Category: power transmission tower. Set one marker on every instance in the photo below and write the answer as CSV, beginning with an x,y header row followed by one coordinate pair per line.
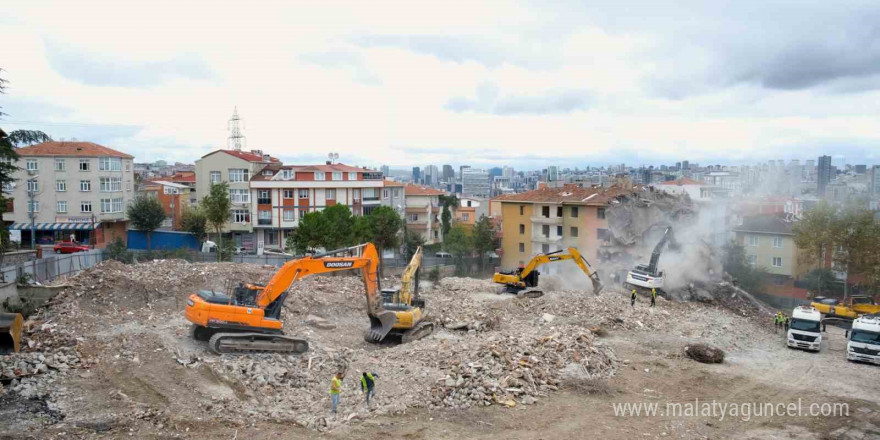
x,y
236,140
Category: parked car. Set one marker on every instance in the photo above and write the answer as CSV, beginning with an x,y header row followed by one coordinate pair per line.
x,y
443,255
66,247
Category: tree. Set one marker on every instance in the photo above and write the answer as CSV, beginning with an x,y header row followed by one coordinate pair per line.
x,y
384,224
194,221
822,282
8,157
483,238
146,214
411,242
216,206
814,233
449,202
750,278
308,235
458,243
23,138
337,227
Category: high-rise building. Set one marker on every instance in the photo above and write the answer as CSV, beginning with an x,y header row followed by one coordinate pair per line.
x,y
475,182
417,175
431,175
684,165
461,169
507,172
448,173
494,171
552,173
824,174
875,180
861,169
385,170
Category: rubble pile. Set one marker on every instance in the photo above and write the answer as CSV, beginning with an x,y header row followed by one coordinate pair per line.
x,y
704,353
34,374
632,217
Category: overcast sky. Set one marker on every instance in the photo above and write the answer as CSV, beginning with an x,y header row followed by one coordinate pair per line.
x,y
525,84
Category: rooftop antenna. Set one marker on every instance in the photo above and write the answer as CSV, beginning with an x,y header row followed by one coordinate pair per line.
x,y
236,140
333,157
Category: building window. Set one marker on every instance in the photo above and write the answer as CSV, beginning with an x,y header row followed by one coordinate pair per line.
x,y
574,211
240,195
465,216
238,175
777,261
602,234
271,238
303,194
753,240
264,217
330,194
545,211
288,193
33,186
85,206
413,217
264,197
545,248
60,165
522,210
267,172
33,206
319,175
522,247
128,185
289,215
84,165
241,216
61,206
169,190
352,176
371,194
303,210
752,260
111,205
574,231
559,211
545,230
287,174
215,176
356,195
600,213
337,175
777,242
60,185
111,184
110,164
385,194
32,165
127,166
85,185
559,231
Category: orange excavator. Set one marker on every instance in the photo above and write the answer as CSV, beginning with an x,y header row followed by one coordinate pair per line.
x,y
249,321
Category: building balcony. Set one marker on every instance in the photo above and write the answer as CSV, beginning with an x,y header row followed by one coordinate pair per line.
x,y
547,240
547,220
264,201
264,222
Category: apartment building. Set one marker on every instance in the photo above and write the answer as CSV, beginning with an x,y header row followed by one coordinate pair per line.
x,y
423,212
236,168
282,194
174,197
78,189
768,241
470,209
550,219
393,196
475,182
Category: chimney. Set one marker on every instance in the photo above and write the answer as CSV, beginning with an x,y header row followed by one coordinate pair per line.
x,y
328,162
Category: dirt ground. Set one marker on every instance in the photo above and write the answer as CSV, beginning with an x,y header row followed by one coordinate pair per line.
x,y
152,381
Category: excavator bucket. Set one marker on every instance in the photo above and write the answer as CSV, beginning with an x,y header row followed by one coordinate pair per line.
x,y
10,332
381,324
597,285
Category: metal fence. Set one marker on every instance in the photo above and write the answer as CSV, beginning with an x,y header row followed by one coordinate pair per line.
x,y
53,266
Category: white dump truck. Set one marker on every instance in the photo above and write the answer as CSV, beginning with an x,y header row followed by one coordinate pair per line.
x,y
864,340
805,329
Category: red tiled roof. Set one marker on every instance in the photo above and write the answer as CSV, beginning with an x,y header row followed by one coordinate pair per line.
x,y
63,148
566,194
682,181
244,155
391,183
186,177
416,190
338,167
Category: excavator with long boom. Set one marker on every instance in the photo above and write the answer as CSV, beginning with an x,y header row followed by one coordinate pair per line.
x,y
517,281
411,326
249,320
647,276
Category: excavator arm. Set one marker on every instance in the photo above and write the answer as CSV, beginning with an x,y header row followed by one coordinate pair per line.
x,y
516,280
408,281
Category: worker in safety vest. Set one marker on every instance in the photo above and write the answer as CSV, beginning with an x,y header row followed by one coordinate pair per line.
x,y
335,390
777,321
368,384
632,301
653,297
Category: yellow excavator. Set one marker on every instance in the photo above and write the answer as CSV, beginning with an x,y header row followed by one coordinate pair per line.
x,y
517,281
249,320
411,324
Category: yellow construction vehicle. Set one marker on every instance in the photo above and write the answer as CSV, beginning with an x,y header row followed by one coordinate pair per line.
x,y
406,299
10,332
249,320
852,308
517,281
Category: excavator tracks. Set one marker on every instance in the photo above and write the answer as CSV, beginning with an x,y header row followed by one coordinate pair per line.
x,y
244,343
420,331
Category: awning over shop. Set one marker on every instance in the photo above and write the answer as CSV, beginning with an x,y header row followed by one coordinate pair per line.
x,y
82,226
